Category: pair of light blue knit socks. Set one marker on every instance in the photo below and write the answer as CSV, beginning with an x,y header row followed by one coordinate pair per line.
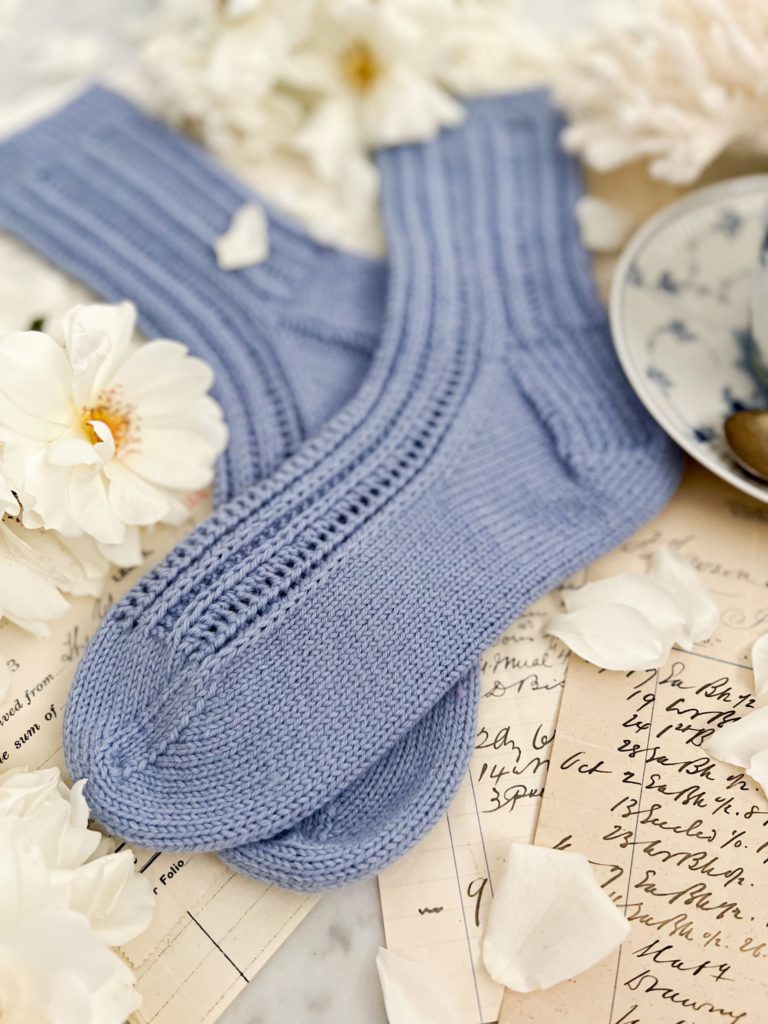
x,y
417,452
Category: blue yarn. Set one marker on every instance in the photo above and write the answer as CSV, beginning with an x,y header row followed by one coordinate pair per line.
x,y
131,209
315,619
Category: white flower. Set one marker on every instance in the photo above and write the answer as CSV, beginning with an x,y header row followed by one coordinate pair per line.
x,y
684,81
370,72
214,70
36,566
64,900
103,434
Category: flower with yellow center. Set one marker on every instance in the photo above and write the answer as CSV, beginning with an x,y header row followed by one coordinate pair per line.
x,y
102,434
360,66
370,74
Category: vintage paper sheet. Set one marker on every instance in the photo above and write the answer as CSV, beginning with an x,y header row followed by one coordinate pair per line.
x,y
678,840
435,899
212,929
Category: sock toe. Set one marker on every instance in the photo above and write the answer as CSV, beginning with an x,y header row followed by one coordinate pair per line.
x,y
379,817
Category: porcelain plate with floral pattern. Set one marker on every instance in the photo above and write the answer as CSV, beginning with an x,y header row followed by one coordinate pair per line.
x,y
680,313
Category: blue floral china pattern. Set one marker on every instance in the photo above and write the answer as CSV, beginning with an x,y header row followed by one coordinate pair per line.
x,y
681,315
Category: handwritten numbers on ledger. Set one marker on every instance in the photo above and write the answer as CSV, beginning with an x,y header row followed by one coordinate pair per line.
x,y
678,840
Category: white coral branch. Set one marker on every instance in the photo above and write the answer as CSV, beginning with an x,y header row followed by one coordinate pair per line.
x,y
684,83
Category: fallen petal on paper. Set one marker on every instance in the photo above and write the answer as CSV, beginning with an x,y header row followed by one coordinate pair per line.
x,y
744,743
435,900
549,920
613,636
630,621
759,658
685,585
414,992
246,241
653,776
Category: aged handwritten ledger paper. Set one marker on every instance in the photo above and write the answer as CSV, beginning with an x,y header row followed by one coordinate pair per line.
x,y
679,841
435,900
212,929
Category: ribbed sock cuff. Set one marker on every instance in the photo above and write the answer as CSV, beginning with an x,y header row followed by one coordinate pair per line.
x,y
493,201
100,136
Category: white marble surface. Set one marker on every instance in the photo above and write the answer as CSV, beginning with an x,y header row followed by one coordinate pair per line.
x,y
325,973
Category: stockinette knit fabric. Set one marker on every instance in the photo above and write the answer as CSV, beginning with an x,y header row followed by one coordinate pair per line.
x,y
132,209
493,447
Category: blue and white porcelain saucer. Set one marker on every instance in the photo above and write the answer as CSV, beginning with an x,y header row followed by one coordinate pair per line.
x,y
680,313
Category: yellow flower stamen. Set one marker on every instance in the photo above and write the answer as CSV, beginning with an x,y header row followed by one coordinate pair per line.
x,y
360,67
111,411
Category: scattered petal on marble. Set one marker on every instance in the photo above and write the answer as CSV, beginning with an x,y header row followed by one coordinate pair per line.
x,y
413,992
744,744
549,920
702,614
760,665
604,227
246,241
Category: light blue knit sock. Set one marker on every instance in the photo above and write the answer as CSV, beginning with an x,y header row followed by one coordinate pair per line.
x,y
132,209
311,623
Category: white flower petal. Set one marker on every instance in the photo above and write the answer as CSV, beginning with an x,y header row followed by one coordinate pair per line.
x,y
98,337
614,637
35,376
685,584
642,593
161,379
135,501
75,977
117,901
23,791
760,665
604,227
73,564
246,241
88,502
72,451
172,458
408,108
738,742
758,770
127,554
105,447
414,991
26,594
549,920
48,484
9,504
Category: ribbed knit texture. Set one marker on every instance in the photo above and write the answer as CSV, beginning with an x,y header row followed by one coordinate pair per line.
x,y
117,199
311,623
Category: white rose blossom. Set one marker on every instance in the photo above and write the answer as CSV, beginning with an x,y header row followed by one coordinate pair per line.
x,y
65,899
103,435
